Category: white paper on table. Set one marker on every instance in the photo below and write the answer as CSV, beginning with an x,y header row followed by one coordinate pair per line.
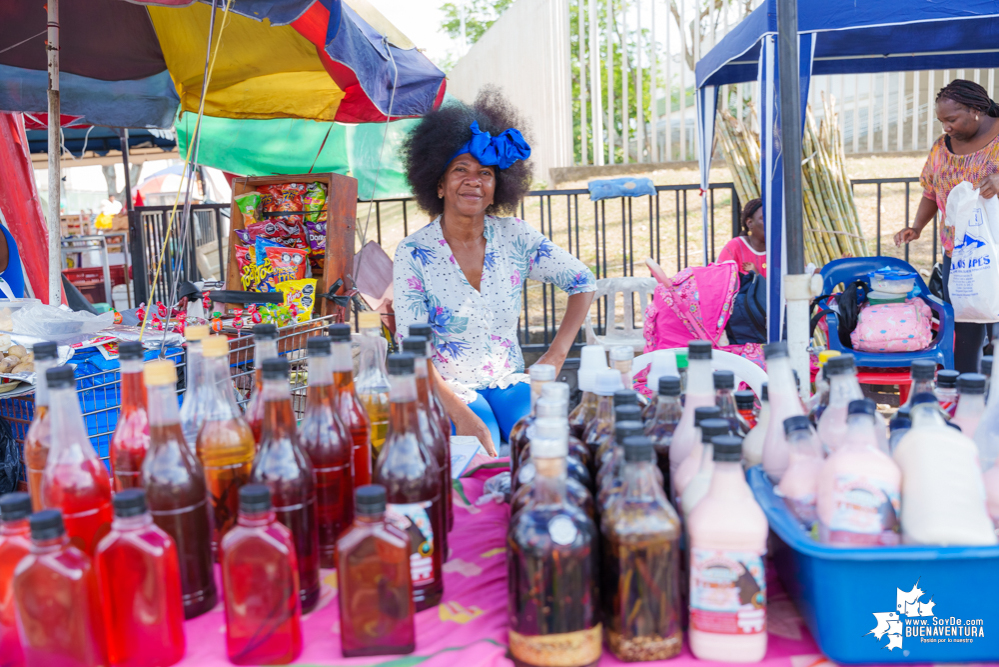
x,y
463,450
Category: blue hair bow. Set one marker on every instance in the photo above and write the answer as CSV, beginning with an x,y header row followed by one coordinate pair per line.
x,y
500,151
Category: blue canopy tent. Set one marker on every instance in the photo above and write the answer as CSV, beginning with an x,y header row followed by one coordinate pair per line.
x,y
834,37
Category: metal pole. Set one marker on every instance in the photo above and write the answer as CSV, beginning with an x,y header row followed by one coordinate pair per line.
x,y
596,98
790,131
55,155
583,135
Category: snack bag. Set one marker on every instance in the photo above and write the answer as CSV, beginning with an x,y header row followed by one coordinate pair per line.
x,y
269,194
316,232
285,233
287,263
249,205
314,202
246,261
301,295
265,273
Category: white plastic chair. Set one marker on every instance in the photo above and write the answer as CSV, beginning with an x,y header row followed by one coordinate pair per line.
x,y
628,334
744,369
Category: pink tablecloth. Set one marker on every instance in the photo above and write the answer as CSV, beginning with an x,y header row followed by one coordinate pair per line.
x,y
469,627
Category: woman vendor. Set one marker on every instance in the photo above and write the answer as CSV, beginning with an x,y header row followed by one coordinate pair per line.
x,y
749,249
967,151
464,272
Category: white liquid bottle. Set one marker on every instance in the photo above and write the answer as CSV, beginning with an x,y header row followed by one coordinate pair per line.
x,y
859,487
688,469
700,393
698,486
784,403
800,483
843,388
728,539
752,445
970,402
987,434
943,495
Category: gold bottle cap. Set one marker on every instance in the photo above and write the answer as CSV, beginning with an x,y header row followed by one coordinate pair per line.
x,y
369,319
196,332
159,372
215,346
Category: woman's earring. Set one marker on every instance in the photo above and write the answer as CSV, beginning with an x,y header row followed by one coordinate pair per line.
x,y
976,116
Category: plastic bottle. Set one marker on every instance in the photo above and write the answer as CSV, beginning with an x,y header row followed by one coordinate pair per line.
x,y
552,564
265,347
843,388
943,496
408,470
372,383
986,370
784,402
947,391
986,436
352,411
922,374
592,359
601,428
858,495
622,359
541,374
374,587
282,466
642,563
899,426
820,399
38,438
176,490
263,610
724,382
192,413
130,441
689,467
225,444
700,393
558,392
663,365
15,543
137,571
752,444
326,441
800,483
75,481
59,617
971,402
697,486
728,590
427,332
663,423
682,364
625,407
745,405
609,485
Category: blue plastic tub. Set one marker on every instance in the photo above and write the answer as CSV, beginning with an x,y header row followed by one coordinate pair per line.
x,y
838,591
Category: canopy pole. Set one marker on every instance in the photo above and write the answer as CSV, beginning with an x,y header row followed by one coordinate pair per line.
x,y
55,155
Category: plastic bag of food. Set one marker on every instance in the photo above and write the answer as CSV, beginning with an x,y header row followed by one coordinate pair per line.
x,y
54,323
269,194
301,294
314,202
246,262
249,206
287,263
290,234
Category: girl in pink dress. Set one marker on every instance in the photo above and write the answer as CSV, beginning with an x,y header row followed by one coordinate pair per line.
x,y
749,250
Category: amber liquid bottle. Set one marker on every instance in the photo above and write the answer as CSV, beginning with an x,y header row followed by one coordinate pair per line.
x,y
352,412
326,441
39,435
409,472
557,394
541,374
130,441
192,412
427,332
552,566
601,428
609,482
176,493
371,383
665,417
592,358
15,543
624,402
374,586
265,347
225,441
285,469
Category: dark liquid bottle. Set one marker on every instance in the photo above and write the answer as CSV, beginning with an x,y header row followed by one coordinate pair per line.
x,y
352,412
556,397
440,413
408,470
39,435
609,483
622,412
265,347
326,441
725,400
592,358
667,415
138,575
601,429
552,566
745,404
15,543
176,493
374,586
541,374
263,611
285,469
58,600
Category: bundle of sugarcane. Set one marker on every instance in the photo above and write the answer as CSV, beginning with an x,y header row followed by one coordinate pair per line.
x,y
741,147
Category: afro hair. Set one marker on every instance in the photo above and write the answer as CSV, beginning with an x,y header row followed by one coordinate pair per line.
x,y
431,145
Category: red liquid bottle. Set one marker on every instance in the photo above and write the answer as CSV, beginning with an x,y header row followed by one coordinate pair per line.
x,y
427,332
58,601
176,493
439,442
75,481
285,469
326,441
15,543
408,470
130,441
263,612
39,435
138,575
541,374
265,348
352,412
374,586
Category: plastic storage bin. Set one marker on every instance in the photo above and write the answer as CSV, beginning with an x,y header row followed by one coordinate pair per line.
x,y
894,281
857,602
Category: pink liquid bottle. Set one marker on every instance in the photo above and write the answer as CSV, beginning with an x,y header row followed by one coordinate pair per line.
x,y
265,347
728,591
843,388
690,465
130,441
970,403
139,578
75,481
752,444
800,483
15,543
263,611
697,486
784,402
58,601
700,393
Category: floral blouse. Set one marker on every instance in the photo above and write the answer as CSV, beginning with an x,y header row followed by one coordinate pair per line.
x,y
475,332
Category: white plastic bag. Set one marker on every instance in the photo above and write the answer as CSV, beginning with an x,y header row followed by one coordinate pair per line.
x,y
974,270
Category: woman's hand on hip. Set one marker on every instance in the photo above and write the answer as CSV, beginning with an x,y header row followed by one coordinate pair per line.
x,y
469,423
988,186
907,235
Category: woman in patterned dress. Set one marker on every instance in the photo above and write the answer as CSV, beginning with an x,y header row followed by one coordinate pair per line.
x,y
464,272
967,151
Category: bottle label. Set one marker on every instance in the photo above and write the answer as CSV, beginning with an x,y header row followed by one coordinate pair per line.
x,y
728,592
865,511
414,520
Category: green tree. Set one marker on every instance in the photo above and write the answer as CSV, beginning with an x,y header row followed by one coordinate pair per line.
x,y
479,15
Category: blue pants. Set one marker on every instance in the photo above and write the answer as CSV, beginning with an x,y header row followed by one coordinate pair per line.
x,y
500,409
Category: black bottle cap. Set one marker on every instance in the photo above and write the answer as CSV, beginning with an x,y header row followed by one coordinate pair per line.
x,y
971,383
624,429
60,377
839,365
669,385
727,448
46,525
712,427
986,367
625,397
706,412
15,506
775,350
130,502
923,397
723,380
947,379
923,369
637,449
318,346
401,363
698,349
45,349
265,332
862,406
627,413
421,329
339,333
254,498
369,499
797,423
745,399
900,423
131,350
415,344
765,392
275,368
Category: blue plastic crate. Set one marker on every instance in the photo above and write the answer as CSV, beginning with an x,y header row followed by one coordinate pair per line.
x,y
838,591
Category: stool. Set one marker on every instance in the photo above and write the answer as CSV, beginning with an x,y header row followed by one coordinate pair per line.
x,y
878,376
